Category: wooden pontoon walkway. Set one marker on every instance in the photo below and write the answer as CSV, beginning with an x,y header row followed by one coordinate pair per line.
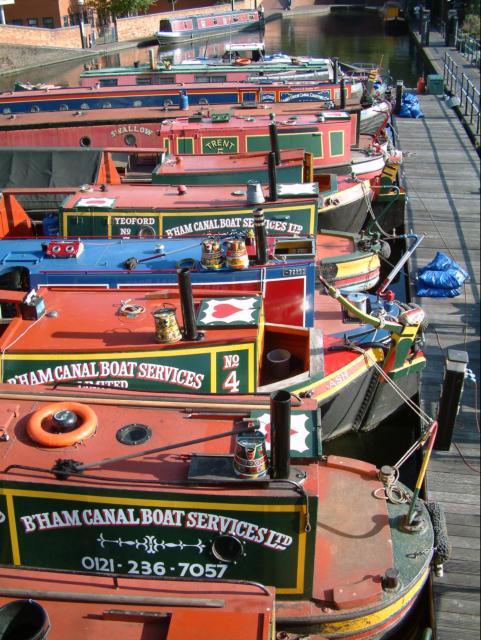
x,y
442,175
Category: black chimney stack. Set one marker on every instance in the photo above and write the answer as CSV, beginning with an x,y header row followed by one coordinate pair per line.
x,y
271,167
261,236
187,304
274,138
280,434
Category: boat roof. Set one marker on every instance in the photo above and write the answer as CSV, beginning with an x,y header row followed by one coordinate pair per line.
x,y
154,114
199,163
86,321
104,254
147,197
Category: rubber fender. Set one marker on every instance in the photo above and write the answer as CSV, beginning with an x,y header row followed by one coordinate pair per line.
x,y
441,539
385,249
427,634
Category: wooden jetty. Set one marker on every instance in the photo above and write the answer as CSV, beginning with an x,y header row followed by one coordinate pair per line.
x,y
442,174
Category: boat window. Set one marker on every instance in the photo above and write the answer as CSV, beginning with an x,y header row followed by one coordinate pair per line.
x,y
130,140
85,141
63,107
203,101
85,106
109,82
165,25
137,103
210,78
34,109
106,105
143,80
168,103
7,110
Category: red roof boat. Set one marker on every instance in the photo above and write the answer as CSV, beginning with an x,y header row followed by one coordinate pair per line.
x,y
155,520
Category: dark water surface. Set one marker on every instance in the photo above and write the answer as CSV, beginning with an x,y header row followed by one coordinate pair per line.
x,y
352,38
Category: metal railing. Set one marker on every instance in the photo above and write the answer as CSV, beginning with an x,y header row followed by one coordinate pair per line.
x,y
459,85
468,47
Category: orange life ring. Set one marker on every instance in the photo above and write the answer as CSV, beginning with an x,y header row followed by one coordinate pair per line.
x,y
36,429
243,61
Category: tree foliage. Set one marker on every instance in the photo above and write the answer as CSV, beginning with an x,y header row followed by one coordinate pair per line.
x,y
120,7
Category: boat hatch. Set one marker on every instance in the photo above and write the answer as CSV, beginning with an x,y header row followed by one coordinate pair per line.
x,y
165,25
287,248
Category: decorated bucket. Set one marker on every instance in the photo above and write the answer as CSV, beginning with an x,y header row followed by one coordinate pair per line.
x,y
211,257
250,455
236,254
166,327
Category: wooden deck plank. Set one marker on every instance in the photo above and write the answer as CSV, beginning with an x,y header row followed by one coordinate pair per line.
x,y
441,173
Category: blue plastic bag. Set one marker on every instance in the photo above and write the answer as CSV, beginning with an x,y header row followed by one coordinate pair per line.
x,y
434,292
441,278
442,262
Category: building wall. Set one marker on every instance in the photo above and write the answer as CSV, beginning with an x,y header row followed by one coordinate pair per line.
x,y
40,9
134,28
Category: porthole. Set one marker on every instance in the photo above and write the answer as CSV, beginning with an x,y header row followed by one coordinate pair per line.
x,y
227,548
147,232
137,103
203,101
85,106
7,111
34,109
130,140
168,103
85,141
134,434
106,105
63,107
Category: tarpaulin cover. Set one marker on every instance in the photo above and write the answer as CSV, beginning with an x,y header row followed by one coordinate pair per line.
x,y
410,107
53,167
441,278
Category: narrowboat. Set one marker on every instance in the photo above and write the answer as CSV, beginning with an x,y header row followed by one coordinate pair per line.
x,y
283,271
148,211
135,514
84,98
394,18
240,61
84,606
332,137
184,28
131,339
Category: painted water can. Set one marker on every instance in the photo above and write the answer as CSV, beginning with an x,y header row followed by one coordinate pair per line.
x,y
211,257
250,455
166,326
236,254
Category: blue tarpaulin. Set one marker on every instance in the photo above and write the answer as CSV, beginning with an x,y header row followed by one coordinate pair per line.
x,y
410,107
441,278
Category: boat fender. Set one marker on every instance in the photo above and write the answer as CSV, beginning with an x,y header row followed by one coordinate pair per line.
x,y
38,422
385,249
442,545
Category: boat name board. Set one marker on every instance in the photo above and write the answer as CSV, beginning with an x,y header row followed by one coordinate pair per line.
x,y
289,219
131,128
142,534
225,369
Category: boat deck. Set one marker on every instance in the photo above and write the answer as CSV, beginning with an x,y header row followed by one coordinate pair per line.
x,y
442,177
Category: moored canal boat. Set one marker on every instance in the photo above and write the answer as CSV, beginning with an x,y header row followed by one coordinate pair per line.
x,y
109,338
148,211
240,61
137,501
282,269
183,28
84,98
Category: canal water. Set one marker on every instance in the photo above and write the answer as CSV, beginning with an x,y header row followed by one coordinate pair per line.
x,y
351,38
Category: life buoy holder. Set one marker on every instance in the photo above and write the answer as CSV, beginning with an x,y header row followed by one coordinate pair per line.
x,y
242,61
36,425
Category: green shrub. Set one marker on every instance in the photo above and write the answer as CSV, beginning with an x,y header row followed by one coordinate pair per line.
x,y
471,25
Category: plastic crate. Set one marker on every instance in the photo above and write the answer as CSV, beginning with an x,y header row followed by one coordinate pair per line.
x,y
435,85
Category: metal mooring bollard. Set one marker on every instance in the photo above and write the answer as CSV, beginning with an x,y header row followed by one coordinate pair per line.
x,y
453,382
